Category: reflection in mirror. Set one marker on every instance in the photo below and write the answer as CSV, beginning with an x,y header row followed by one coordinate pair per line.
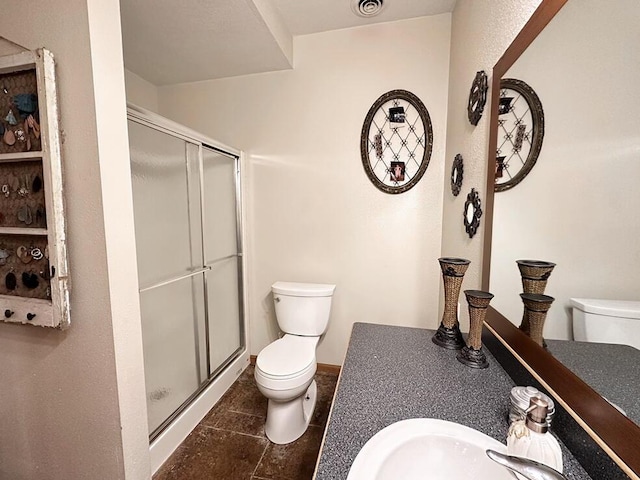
x,y
520,132
579,207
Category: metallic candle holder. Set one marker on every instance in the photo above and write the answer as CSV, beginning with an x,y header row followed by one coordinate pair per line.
x,y
535,274
536,307
448,334
472,354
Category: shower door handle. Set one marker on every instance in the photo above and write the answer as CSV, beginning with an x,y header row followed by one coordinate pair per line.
x,y
176,279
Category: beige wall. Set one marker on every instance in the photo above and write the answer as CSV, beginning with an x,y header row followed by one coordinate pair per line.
x,y
72,403
140,91
312,213
480,33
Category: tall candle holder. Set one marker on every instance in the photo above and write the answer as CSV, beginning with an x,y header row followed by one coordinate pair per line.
x,y
472,354
534,274
448,334
536,307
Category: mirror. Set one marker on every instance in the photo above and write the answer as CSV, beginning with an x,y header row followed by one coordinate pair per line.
x,y
457,173
477,98
577,207
472,213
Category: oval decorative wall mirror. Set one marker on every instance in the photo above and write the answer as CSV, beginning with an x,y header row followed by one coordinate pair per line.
x,y
396,141
472,213
457,171
520,133
477,97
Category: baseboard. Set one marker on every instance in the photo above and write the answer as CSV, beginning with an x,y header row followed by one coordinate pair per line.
x,y
329,368
322,367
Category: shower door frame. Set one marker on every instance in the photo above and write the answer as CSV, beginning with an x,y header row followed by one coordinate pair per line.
x,y
168,436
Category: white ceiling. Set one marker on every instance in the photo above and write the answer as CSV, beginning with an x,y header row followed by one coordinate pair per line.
x,y
313,16
190,40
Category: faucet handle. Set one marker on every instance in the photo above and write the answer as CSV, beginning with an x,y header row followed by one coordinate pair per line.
x,y
527,468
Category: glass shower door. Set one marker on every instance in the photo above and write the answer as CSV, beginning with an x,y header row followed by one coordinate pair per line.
x,y
187,210
222,253
168,228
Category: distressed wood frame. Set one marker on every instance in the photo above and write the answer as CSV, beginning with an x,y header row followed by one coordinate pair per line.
x,y
54,312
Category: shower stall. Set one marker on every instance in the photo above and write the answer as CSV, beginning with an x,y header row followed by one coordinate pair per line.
x,y
187,207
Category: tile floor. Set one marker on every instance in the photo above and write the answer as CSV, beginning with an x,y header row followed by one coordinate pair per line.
x,y
230,444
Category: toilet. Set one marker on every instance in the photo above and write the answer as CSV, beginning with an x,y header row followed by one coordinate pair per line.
x,y
606,321
285,368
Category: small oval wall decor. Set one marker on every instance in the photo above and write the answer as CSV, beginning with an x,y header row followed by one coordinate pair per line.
x,y
472,213
457,172
396,141
477,97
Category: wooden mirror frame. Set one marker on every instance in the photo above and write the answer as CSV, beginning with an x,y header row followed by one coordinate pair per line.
x,y
616,434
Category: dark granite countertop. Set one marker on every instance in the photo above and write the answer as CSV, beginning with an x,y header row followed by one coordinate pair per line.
x,y
611,370
395,373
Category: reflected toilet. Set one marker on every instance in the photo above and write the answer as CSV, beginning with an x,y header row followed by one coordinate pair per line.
x,y
606,321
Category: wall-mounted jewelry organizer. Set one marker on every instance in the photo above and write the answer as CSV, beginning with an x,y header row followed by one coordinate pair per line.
x,y
33,259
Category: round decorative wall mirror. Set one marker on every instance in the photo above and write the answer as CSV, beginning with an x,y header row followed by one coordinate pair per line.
x,y
457,171
396,141
520,133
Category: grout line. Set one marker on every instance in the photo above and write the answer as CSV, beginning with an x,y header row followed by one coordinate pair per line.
x,y
261,457
234,431
245,413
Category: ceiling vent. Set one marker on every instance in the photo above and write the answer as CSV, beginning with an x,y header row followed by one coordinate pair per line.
x,y
367,8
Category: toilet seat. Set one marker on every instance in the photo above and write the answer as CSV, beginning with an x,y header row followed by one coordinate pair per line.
x,y
287,362
287,357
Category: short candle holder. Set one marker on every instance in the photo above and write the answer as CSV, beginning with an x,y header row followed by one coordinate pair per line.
x,y
534,274
536,307
448,334
472,354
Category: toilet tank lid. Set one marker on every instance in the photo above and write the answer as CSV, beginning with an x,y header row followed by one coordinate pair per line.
x,y
303,289
612,308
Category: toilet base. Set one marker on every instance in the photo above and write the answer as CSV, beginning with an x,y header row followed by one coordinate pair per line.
x,y
287,421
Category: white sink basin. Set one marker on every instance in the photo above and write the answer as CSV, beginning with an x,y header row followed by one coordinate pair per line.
x,y
426,448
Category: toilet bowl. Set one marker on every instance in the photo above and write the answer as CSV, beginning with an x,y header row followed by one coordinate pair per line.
x,y
285,369
284,374
606,321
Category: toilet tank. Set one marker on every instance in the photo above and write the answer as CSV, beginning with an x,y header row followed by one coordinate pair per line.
x,y
606,321
302,308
